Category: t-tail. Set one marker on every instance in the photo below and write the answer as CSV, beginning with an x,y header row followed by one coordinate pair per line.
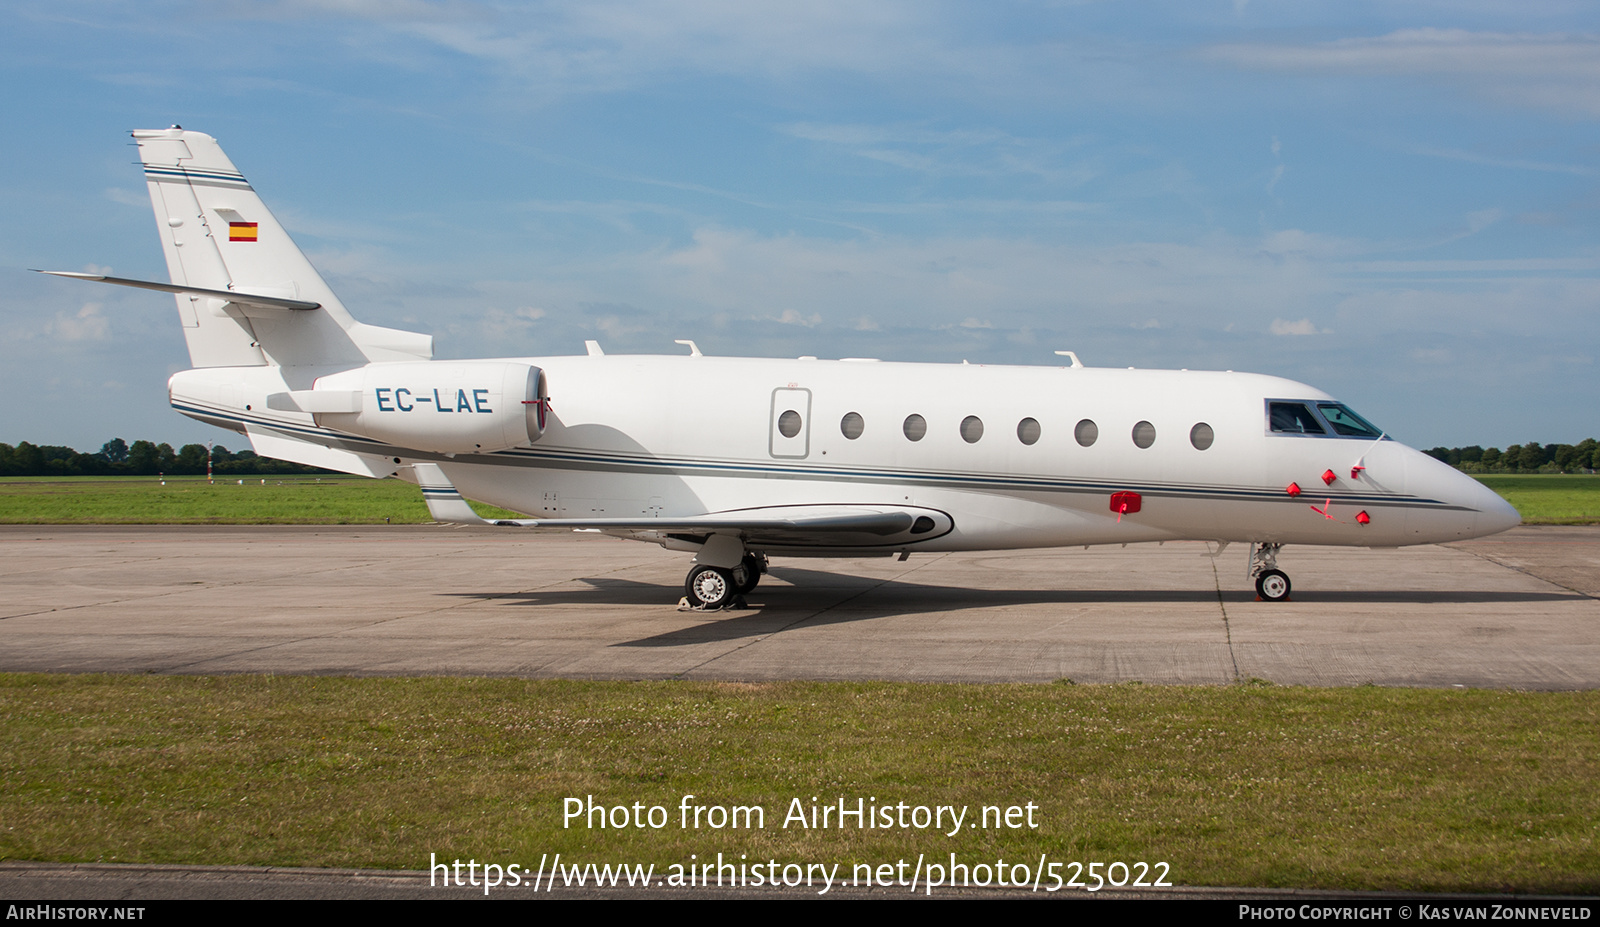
x,y
276,355
246,294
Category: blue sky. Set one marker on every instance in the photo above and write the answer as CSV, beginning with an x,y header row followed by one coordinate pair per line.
x,y
1396,202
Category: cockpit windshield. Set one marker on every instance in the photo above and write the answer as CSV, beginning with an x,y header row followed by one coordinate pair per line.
x,y
1311,417
1345,422
1293,418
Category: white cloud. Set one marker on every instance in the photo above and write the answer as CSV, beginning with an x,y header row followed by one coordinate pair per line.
x,y
1302,327
1558,71
609,45
1476,222
978,285
1277,172
499,325
863,135
86,325
1277,175
1046,209
128,197
1464,268
793,317
1471,157
368,10
614,325
951,152
1300,243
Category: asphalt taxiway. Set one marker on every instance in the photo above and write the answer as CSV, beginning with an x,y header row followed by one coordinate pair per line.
x,y
1519,610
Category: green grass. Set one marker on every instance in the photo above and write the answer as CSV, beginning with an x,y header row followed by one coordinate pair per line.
x,y
1251,785
1551,499
190,500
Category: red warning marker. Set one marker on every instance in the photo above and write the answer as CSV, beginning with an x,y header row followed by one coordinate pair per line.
x,y
1355,472
1362,517
1125,503
1293,489
1328,477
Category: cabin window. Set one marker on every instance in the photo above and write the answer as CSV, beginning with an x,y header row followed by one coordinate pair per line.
x,y
789,423
1144,434
915,427
1347,423
1087,432
1293,418
1028,431
971,429
852,425
1201,436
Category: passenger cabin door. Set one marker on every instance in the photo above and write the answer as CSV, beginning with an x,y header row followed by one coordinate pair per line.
x,y
790,428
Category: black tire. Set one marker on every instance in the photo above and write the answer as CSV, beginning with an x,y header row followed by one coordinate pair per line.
x,y
1272,586
747,575
710,587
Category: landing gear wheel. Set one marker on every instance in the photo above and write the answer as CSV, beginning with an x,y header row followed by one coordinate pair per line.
x,y
710,587
747,574
1272,585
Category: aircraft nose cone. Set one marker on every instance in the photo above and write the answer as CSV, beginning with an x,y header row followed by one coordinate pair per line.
x,y
1495,514
1473,509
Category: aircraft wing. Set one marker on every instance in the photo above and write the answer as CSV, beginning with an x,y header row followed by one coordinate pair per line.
x,y
787,526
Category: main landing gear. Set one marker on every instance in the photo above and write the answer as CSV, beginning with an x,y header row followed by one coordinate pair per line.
x,y
713,587
1272,584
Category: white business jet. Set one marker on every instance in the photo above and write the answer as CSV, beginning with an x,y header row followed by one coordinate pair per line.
x,y
738,459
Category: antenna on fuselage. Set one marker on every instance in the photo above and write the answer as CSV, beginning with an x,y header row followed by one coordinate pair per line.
x,y
694,350
1072,356
1361,462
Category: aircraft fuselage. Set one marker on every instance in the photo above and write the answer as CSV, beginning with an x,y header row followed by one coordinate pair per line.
x,y
643,436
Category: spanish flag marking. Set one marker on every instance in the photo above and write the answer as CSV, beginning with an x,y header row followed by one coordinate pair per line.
x,y
241,231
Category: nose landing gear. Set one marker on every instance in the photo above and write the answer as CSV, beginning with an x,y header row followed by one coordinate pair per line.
x,y
1272,584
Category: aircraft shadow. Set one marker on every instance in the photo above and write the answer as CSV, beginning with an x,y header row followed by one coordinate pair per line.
x,y
769,615
818,590
817,598
925,596
604,590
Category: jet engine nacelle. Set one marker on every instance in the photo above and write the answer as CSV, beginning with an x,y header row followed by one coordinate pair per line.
x,y
447,407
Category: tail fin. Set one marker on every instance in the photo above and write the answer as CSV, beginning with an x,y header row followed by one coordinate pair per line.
x,y
218,235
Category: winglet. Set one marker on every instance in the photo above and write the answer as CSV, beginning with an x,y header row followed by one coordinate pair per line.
x,y
444,503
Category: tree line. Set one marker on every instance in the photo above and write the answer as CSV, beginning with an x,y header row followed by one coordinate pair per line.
x,y
141,458
1533,457
145,458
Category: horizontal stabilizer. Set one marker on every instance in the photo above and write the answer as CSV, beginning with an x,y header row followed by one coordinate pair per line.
x,y
242,299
